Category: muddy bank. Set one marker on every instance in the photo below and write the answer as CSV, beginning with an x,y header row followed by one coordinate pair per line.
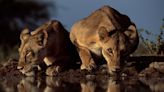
x,y
132,69
9,68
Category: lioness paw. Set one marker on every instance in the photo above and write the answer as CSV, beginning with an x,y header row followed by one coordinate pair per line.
x,y
53,70
89,67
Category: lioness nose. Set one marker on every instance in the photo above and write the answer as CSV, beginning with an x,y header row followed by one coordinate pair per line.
x,y
19,67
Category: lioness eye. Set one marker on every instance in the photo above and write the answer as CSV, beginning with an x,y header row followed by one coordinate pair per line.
x,y
110,50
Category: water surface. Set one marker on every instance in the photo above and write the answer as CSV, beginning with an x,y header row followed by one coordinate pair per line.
x,y
53,84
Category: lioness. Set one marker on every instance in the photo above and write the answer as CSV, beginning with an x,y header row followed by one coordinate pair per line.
x,y
49,44
105,33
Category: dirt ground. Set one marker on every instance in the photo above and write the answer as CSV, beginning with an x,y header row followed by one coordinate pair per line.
x,y
10,68
132,69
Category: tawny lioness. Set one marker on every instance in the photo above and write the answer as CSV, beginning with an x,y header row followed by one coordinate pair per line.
x,y
49,44
105,33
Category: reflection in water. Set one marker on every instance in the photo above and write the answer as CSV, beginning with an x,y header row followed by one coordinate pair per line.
x,y
113,86
30,84
53,84
8,84
110,85
156,85
88,87
56,85
133,85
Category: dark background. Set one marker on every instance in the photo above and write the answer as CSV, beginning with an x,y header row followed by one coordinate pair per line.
x,y
16,15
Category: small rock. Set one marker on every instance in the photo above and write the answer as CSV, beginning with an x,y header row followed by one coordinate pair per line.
x,y
129,71
149,72
159,66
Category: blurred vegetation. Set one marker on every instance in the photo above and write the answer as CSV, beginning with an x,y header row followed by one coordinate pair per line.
x,y
151,46
16,15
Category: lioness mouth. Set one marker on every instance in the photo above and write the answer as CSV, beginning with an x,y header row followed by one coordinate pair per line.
x,y
30,69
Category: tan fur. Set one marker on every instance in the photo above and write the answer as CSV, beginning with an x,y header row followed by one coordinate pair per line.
x,y
28,84
47,44
88,87
105,33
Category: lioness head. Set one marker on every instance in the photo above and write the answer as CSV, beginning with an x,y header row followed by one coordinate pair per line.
x,y
31,51
110,47
116,45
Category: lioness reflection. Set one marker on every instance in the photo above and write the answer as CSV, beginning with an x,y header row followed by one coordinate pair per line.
x,y
30,84
113,86
107,86
52,84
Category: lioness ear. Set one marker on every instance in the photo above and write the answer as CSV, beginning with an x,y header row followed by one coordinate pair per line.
x,y
25,34
102,32
131,32
42,38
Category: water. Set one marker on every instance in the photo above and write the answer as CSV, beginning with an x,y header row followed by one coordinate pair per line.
x,y
53,84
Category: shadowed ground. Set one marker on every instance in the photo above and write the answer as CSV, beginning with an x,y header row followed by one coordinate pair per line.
x,y
134,66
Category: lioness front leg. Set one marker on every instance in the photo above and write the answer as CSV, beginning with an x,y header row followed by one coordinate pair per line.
x,y
113,66
86,58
